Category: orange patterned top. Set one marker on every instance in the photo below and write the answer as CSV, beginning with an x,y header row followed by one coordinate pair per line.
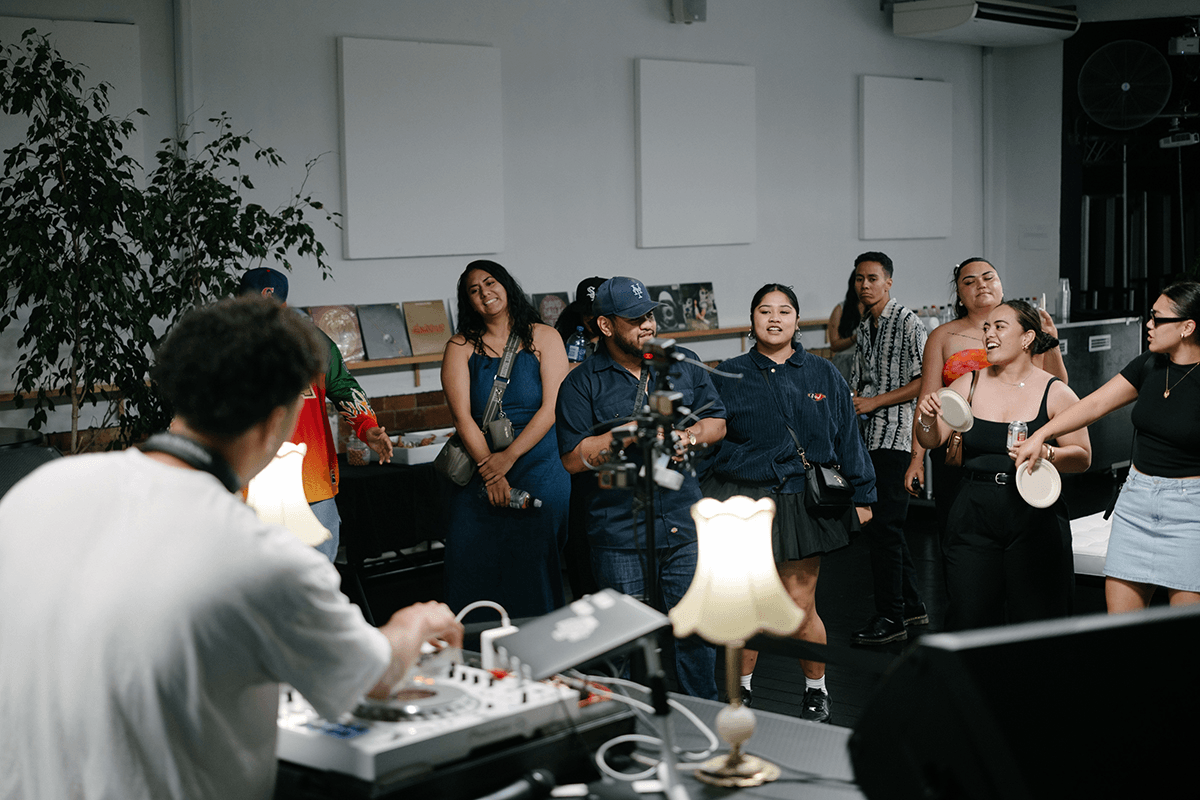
x,y
964,362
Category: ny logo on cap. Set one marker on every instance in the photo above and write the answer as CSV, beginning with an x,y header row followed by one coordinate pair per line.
x,y
637,291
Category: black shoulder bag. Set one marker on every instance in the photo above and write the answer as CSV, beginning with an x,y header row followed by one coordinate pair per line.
x,y
453,462
826,490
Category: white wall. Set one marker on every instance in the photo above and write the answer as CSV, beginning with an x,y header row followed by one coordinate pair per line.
x,y
567,72
568,105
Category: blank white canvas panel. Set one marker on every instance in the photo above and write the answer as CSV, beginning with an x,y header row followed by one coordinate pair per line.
x,y
907,158
422,155
109,53
696,154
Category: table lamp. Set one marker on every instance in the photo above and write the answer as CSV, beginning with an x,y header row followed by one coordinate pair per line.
x,y
277,495
735,593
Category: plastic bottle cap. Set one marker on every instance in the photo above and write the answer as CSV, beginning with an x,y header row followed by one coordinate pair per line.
x,y
537,503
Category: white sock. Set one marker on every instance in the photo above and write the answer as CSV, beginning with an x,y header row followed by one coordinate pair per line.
x,y
746,681
815,683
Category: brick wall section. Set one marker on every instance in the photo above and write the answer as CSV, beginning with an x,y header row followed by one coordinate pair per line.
x,y
402,413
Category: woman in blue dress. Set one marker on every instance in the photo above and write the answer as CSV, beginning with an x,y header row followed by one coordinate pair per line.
x,y
494,552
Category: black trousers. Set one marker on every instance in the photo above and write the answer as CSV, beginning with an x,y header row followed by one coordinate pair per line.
x,y
1006,561
891,561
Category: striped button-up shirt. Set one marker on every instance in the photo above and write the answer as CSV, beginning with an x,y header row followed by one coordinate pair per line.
x,y
885,362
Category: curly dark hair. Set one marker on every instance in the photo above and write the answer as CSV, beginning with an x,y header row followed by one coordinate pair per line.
x,y
1030,320
522,316
225,367
960,310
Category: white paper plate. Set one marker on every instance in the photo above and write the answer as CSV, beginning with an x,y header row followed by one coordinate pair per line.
x,y
956,411
1041,487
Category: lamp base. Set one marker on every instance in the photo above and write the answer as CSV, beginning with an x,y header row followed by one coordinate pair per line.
x,y
743,772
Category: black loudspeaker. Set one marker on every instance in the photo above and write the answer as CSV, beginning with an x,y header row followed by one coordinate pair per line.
x,y
1088,707
17,462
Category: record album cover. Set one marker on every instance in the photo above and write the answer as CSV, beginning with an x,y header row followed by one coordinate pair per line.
x,y
550,306
428,326
383,331
669,314
340,323
699,306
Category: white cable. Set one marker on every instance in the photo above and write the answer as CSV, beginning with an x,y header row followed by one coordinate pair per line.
x,y
483,604
626,776
713,742
641,707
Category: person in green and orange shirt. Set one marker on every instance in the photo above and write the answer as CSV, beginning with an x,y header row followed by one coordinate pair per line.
x,y
320,470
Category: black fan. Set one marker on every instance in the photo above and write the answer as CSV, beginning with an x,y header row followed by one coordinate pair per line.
x,y
1124,84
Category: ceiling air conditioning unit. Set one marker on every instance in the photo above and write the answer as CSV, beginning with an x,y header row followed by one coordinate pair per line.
x,y
989,23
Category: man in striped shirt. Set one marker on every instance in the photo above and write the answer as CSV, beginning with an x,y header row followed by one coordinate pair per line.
x,y
886,378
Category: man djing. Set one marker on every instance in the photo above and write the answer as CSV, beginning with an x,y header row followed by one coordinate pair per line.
x,y
603,392
149,615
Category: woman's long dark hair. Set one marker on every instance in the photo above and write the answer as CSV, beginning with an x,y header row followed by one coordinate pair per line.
x,y
521,314
850,313
960,310
1030,320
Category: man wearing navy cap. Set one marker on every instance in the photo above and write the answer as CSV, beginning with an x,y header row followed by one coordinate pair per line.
x,y
320,469
604,391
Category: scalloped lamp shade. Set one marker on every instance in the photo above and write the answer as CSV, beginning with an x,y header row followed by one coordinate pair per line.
x,y
277,495
736,591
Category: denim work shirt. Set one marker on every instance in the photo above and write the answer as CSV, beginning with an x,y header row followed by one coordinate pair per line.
x,y
596,397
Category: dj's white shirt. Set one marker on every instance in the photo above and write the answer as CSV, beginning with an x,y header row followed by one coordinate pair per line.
x,y
146,619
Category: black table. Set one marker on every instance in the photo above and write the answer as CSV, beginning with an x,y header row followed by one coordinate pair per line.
x,y
813,757
393,524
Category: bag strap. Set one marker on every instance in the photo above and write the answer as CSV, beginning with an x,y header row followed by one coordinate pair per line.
x,y
957,435
795,438
643,384
501,381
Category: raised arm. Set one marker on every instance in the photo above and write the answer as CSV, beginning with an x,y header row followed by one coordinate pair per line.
x,y
1117,393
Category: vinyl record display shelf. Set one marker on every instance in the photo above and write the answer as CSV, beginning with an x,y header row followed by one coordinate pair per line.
x,y
393,364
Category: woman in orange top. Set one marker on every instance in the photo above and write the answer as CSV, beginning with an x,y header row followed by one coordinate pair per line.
x,y
956,349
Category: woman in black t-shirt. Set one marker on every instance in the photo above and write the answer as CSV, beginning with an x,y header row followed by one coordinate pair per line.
x,y
1155,539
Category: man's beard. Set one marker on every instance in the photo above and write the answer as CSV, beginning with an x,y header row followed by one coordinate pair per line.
x,y
631,347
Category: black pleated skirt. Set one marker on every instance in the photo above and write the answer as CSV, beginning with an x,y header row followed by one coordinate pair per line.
x,y
795,534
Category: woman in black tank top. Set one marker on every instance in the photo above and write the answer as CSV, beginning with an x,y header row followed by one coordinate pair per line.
x,y
1005,560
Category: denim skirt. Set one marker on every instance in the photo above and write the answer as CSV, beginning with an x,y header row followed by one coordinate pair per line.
x,y
1156,532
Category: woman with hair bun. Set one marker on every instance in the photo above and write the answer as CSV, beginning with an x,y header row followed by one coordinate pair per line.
x,y
1005,560
1155,539
956,349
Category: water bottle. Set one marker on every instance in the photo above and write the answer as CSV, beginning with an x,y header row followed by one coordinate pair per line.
x,y
577,346
1064,300
519,498
1017,433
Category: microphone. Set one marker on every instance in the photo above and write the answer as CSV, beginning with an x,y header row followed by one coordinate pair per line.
x,y
534,785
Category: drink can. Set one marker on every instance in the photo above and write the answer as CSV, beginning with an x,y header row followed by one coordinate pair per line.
x,y
1017,433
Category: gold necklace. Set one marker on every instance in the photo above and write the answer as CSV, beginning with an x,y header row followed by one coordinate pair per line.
x,y
1167,391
